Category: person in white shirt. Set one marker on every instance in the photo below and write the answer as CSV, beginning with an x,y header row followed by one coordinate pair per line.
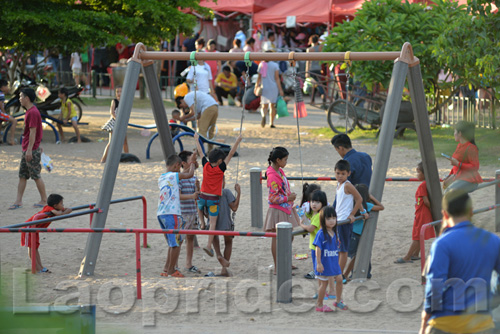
x,y
76,68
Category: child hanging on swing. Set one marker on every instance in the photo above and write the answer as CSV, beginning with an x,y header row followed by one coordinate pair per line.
x,y
211,185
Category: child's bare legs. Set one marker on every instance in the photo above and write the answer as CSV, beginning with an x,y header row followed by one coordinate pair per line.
x,y
172,258
321,292
224,259
350,267
125,145
61,132
339,287
165,267
414,249
342,261
105,154
38,260
12,134
77,131
189,250
273,251
213,222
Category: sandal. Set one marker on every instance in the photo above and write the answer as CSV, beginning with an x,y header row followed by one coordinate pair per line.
x,y
177,274
45,270
310,275
193,269
15,207
210,252
324,308
340,305
415,258
401,260
210,274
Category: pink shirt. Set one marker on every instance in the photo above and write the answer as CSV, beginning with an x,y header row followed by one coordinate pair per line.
x,y
32,119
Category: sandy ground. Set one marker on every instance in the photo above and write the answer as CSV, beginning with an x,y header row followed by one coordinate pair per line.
x,y
245,303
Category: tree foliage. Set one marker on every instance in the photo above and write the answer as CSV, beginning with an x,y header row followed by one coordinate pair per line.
x,y
32,25
443,36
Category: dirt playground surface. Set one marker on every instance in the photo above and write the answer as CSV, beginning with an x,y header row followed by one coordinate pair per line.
x,y
391,302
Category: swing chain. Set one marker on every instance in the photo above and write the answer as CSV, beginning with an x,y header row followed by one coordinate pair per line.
x,y
347,75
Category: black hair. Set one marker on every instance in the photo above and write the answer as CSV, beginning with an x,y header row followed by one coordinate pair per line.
x,y
211,42
184,155
250,41
307,190
3,82
343,165
314,38
226,68
178,101
277,153
365,195
420,167
327,212
237,42
173,159
457,203
319,196
341,140
200,41
467,130
215,155
270,34
176,111
54,199
30,93
64,91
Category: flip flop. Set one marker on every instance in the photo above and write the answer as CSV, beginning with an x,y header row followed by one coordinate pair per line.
x,y
415,258
15,207
210,252
36,205
45,270
193,269
210,274
401,260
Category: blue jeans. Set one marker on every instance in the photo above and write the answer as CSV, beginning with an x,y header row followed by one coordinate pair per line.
x,y
462,185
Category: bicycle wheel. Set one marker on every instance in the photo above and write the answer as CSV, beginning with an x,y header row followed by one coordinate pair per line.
x,y
337,119
78,108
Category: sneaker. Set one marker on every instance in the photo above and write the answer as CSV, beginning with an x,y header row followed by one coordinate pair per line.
x,y
324,308
273,127
263,121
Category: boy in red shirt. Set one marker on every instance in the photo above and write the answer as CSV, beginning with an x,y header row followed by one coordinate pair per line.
x,y
54,207
422,216
211,186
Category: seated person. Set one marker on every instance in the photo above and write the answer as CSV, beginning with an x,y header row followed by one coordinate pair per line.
x,y
226,84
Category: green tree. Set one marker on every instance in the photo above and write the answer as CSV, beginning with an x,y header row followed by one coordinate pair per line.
x,y
469,47
30,26
385,25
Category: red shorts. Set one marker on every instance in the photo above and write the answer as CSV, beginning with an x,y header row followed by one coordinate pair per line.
x,y
4,117
417,227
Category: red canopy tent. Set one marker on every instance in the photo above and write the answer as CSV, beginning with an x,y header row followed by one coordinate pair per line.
x,y
313,11
240,6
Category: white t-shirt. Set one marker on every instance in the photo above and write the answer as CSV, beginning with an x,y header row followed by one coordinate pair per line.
x,y
75,56
169,202
203,101
345,202
203,77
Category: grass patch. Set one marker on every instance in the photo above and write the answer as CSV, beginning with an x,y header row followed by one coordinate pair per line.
x,y
138,103
486,139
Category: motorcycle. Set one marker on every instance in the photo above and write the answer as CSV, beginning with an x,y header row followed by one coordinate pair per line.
x,y
49,99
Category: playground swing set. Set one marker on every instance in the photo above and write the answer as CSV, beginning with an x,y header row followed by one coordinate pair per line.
x,y
405,65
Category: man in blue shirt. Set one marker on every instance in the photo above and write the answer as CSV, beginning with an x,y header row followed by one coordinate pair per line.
x,y
460,266
361,163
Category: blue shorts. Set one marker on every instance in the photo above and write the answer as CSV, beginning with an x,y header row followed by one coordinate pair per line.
x,y
353,244
74,119
209,202
345,232
313,258
171,222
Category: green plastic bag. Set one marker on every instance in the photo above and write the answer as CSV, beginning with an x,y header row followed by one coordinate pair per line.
x,y
281,108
